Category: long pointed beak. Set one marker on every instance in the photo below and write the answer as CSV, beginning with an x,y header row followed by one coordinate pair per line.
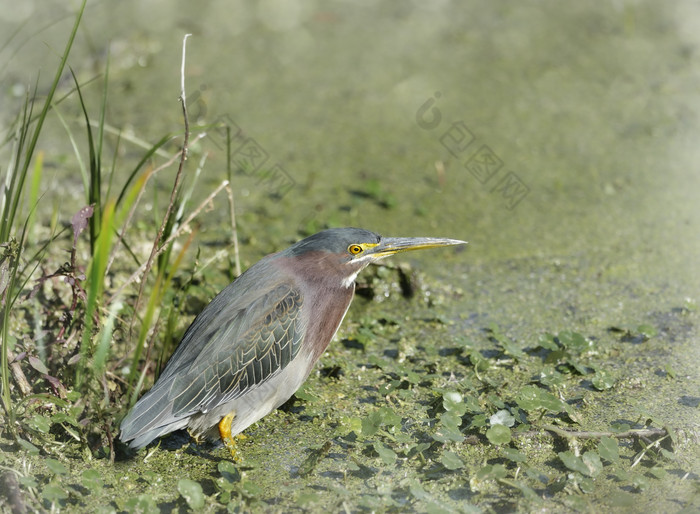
x,y
391,245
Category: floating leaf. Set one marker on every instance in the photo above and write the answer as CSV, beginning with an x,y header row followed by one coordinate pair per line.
x,y
668,454
647,330
451,460
448,429
307,498
608,449
56,467
303,394
229,471
53,493
498,435
574,342
28,481
547,342
251,489
385,453
496,401
378,418
670,372
585,484
502,417
92,480
549,376
191,491
639,482
350,424
479,362
452,401
313,459
592,461
513,455
527,491
143,503
471,404
619,427
479,421
659,473
573,462
491,472
622,500
533,398
512,349
603,380
417,490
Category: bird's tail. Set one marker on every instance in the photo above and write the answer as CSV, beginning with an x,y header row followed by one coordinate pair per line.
x,y
150,418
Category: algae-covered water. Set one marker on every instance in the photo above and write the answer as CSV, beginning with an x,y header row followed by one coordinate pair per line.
x,y
558,138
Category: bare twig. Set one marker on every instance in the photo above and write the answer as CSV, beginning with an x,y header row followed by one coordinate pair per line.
x,y
178,178
182,228
627,434
234,231
127,222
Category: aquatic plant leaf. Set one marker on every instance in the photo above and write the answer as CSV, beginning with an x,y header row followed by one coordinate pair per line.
x,y
385,453
608,449
603,380
448,429
92,480
56,467
498,435
533,398
191,491
513,455
451,460
453,402
502,417
592,462
491,472
53,493
573,462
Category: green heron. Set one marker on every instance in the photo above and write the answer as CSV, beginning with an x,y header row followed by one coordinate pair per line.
x,y
254,345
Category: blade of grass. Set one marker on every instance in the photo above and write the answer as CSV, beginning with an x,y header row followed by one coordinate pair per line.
x,y
34,189
155,299
95,176
94,288
105,338
12,194
78,155
31,146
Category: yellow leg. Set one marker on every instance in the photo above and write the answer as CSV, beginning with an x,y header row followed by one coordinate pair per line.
x,y
226,437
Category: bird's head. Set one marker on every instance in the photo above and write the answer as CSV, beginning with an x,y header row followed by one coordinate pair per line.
x,y
344,252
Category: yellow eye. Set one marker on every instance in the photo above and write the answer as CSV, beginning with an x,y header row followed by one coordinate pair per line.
x,y
355,249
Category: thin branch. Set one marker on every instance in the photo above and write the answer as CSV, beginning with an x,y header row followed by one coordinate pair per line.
x,y
182,228
132,211
234,231
627,434
178,179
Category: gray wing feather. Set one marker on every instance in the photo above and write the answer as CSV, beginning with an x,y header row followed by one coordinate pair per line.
x,y
219,359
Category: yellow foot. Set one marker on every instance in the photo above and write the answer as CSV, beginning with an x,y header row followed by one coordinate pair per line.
x,y
228,439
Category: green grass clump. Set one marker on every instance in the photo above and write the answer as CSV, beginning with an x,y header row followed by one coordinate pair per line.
x,y
65,375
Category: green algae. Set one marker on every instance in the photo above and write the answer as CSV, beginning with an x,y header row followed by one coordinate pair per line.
x,y
596,110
